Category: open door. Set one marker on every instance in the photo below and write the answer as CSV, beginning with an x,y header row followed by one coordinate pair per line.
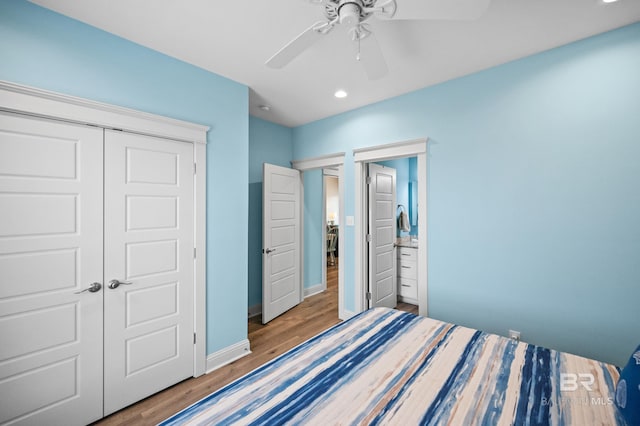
x,y
382,231
281,241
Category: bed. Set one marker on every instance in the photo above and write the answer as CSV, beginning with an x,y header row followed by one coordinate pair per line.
x,y
390,367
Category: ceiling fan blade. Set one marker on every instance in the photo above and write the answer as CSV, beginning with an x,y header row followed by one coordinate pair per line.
x,y
371,57
440,9
298,45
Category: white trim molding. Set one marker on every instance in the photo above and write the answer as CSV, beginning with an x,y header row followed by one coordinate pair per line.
x,y
25,99
325,161
16,98
333,161
348,315
227,355
409,148
413,148
254,310
314,289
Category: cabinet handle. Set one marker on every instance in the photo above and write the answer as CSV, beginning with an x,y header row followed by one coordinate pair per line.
x,y
405,285
406,267
405,254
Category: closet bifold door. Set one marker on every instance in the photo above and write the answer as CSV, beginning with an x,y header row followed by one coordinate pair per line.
x,y
149,266
51,295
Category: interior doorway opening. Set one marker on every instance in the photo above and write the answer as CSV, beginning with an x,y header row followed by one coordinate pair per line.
x,y
331,235
362,157
323,216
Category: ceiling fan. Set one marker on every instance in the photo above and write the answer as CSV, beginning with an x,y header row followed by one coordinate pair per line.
x,y
354,13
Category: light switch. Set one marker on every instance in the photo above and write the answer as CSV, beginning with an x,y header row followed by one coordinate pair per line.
x,y
350,221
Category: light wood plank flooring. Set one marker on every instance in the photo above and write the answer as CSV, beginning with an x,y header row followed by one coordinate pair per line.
x,y
313,315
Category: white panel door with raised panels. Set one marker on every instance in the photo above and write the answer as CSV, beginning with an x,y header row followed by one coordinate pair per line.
x,y
149,249
50,250
382,228
281,227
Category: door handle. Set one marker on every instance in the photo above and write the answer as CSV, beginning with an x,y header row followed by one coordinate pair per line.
x,y
267,251
91,289
113,284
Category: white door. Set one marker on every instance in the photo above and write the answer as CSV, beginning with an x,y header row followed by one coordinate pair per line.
x,y
50,250
382,229
281,241
149,249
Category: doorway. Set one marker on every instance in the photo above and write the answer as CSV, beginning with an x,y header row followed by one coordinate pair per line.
x,y
308,241
415,148
331,230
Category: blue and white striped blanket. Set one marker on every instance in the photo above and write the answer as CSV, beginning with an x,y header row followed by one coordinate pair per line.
x,y
390,367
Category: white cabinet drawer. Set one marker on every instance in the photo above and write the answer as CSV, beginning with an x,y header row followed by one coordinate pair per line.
x,y
408,288
407,270
409,254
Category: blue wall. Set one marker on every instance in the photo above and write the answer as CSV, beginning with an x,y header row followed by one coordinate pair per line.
x,y
44,49
533,192
268,143
313,243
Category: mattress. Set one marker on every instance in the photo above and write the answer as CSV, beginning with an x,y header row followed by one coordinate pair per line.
x,y
389,367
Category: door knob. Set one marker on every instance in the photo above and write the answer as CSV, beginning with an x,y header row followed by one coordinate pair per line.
x,y
113,284
91,289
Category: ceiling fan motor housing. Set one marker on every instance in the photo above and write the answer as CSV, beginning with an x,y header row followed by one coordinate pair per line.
x,y
349,12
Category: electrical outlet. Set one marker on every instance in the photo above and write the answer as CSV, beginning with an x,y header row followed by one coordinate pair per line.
x,y
515,335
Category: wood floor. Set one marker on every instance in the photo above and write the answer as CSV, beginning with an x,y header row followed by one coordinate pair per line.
x,y
313,315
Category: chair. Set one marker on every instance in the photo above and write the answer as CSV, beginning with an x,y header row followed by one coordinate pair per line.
x,y
332,240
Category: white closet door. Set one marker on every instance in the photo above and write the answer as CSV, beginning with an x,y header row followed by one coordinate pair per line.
x,y
382,227
149,244
50,250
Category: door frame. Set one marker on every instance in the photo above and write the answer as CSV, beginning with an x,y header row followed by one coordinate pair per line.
x,y
327,161
362,156
32,101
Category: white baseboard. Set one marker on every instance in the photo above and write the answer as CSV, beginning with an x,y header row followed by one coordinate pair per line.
x,y
227,355
255,310
345,315
314,289
409,300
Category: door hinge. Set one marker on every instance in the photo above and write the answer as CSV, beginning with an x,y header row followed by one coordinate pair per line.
x,y
194,338
368,295
368,238
194,168
368,180
194,252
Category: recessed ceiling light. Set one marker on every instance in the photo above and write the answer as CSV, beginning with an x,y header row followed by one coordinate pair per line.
x,y
609,1
340,94
265,108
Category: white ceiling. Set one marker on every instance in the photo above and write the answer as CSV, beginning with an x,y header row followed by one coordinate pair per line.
x,y
235,38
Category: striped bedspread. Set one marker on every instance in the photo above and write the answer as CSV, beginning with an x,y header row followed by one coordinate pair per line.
x,y
390,367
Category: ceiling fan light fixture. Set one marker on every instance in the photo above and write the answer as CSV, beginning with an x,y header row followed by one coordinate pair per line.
x,y
340,93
